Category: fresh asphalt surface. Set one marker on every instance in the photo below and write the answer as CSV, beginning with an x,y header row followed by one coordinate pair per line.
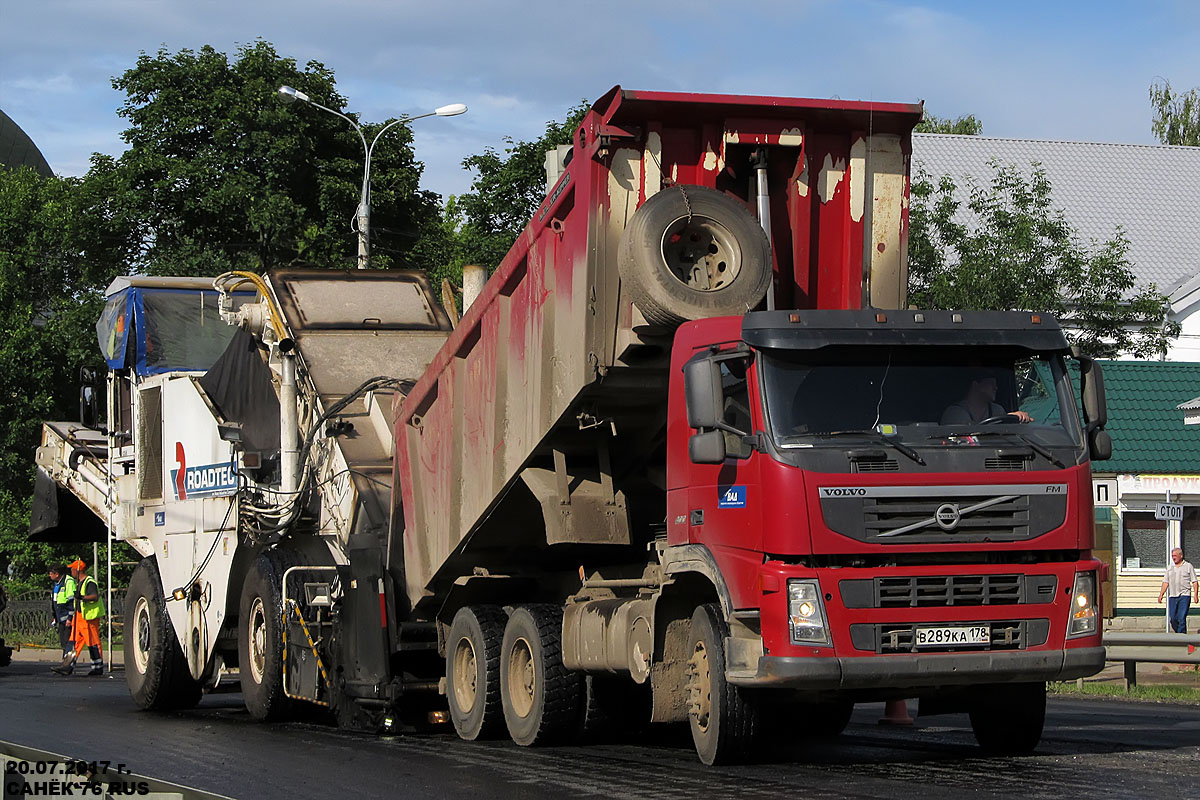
x,y
1092,748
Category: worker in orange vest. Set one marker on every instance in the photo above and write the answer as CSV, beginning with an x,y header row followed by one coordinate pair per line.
x,y
85,624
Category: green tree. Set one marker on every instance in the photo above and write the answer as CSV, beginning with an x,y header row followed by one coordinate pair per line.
x,y
61,239
506,190
1013,249
1176,114
966,125
219,175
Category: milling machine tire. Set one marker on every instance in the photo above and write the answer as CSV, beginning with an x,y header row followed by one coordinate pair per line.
x,y
723,717
156,671
260,638
691,252
542,699
473,671
1008,719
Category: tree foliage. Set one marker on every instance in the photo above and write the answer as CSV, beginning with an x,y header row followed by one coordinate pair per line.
x,y
966,125
1176,114
61,241
506,191
1008,247
219,175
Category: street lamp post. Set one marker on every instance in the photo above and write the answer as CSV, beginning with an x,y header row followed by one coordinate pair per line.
x,y
363,216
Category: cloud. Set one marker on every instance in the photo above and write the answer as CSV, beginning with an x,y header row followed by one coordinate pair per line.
x,y
49,84
1027,70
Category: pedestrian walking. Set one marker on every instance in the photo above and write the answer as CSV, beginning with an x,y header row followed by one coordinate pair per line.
x,y
62,606
85,626
1179,586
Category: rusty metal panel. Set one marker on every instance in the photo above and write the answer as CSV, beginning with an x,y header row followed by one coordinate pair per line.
x,y
552,325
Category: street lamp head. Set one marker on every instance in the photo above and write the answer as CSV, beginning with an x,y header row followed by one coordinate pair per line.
x,y
290,95
452,110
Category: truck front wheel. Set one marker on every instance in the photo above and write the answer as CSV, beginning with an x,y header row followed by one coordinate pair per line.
x,y
1008,720
473,670
723,719
542,699
260,638
155,669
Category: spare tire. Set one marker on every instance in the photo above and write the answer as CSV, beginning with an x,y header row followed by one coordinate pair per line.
x,y
691,252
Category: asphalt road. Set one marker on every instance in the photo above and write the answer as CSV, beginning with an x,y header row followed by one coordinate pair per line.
x,y
1092,748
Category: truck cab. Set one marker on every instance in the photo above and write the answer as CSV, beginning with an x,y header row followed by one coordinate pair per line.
x,y
876,538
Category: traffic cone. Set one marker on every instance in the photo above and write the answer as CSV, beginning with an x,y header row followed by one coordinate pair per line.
x,y
895,712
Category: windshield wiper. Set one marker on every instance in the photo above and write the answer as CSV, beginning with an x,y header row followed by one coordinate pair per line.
x,y
878,437
1037,448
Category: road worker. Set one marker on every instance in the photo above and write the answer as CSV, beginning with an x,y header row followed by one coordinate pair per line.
x,y
85,629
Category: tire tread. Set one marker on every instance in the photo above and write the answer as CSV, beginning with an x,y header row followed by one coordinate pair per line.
x,y
490,620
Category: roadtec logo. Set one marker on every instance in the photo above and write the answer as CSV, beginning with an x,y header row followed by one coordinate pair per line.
x,y
210,480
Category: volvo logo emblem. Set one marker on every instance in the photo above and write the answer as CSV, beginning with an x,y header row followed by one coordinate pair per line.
x,y
947,516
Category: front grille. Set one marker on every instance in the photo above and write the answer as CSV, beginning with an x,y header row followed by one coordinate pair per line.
x,y
932,591
877,465
1005,463
949,590
1007,519
887,638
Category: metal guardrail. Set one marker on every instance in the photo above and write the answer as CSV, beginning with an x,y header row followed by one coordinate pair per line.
x,y
1130,647
27,616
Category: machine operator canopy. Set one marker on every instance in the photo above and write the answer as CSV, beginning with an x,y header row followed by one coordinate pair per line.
x,y
156,325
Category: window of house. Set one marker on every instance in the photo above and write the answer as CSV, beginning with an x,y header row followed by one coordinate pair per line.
x,y
1144,540
1191,533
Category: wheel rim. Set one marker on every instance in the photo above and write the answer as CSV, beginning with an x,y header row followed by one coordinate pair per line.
x,y
701,688
141,635
256,633
522,677
465,667
701,253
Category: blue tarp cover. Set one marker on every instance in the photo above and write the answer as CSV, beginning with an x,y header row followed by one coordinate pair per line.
x,y
173,330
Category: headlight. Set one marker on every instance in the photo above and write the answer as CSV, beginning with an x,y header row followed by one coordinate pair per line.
x,y
806,617
1083,605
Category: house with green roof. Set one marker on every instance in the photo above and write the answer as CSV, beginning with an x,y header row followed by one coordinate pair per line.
x,y
1156,459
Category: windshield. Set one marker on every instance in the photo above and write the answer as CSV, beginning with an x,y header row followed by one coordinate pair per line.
x,y
922,396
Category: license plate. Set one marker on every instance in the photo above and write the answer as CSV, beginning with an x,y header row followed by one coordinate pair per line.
x,y
950,637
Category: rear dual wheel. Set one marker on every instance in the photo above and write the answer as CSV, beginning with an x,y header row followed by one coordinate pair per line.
x,y
542,700
473,671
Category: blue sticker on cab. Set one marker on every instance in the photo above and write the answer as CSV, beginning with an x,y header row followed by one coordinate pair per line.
x,y
732,497
160,518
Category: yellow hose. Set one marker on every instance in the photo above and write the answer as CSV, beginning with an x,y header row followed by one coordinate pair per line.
x,y
255,280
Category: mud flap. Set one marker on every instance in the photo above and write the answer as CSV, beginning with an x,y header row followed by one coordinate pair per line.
x,y
363,675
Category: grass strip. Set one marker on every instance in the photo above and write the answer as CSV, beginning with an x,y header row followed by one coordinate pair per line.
x,y
1171,692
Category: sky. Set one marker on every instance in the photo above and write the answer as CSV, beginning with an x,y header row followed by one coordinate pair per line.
x,y
1038,70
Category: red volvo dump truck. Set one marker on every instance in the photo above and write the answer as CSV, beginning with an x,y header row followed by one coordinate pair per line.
x,y
688,457
705,450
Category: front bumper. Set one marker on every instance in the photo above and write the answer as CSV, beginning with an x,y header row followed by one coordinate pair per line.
x,y
919,671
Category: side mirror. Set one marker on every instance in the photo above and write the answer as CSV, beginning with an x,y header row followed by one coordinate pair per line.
x,y
702,392
1100,445
90,398
707,448
1095,407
